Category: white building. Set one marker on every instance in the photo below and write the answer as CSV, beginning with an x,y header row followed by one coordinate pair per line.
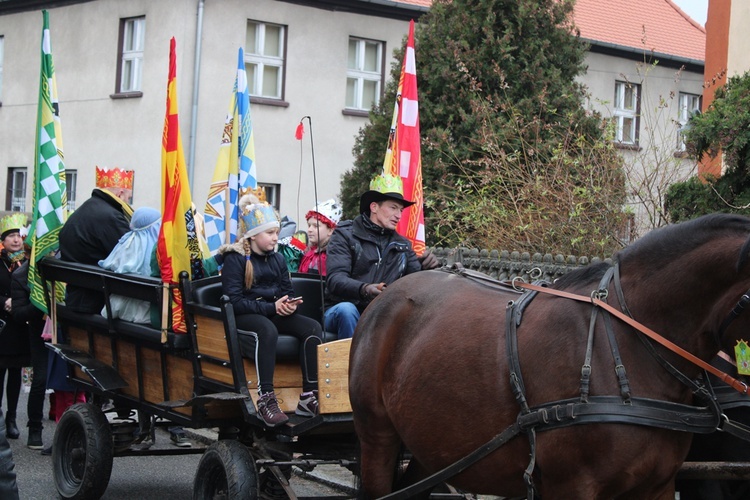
x,y
645,73
326,59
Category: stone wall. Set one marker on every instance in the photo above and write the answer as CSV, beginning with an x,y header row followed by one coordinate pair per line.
x,y
505,265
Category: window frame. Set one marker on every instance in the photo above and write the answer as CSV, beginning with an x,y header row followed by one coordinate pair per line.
x,y
12,190
361,75
260,60
124,55
71,185
621,113
2,62
273,194
684,112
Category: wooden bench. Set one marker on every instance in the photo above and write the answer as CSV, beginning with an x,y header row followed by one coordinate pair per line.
x,y
213,348
139,361
109,283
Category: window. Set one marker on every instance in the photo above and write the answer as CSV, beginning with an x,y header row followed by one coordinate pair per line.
x,y
689,104
273,194
364,74
265,47
2,42
71,181
15,200
130,64
627,103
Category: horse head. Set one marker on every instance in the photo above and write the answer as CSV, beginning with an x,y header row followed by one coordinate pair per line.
x,y
684,281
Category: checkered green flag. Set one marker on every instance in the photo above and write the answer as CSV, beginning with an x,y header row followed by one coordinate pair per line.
x,y
49,199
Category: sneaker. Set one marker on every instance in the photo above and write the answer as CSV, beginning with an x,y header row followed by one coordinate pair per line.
x,y
269,411
308,404
180,439
47,451
35,439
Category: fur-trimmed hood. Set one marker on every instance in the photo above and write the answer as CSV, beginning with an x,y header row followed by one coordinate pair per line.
x,y
237,246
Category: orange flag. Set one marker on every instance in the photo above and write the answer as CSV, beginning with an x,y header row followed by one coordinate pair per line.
x,y
173,245
403,156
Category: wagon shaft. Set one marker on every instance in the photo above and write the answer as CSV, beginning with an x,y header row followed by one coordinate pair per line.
x,y
720,471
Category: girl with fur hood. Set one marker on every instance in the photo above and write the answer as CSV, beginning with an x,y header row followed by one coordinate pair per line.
x,y
257,282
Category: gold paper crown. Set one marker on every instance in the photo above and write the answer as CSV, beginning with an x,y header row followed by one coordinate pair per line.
x,y
259,192
387,183
114,178
12,222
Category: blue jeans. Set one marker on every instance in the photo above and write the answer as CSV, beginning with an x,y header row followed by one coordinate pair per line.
x,y
342,319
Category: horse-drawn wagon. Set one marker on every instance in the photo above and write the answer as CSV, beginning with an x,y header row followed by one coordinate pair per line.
x,y
547,361
149,376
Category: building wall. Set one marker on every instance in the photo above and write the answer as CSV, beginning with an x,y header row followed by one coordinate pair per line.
x,y
727,39
738,61
656,162
99,130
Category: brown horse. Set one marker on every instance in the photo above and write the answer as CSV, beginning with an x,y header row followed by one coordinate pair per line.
x,y
429,369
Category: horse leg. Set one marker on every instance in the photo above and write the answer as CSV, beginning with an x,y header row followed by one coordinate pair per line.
x,y
414,472
379,452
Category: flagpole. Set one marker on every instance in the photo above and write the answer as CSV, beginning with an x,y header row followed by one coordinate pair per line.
x,y
300,129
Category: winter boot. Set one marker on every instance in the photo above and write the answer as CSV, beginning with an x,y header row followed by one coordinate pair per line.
x,y
11,429
35,439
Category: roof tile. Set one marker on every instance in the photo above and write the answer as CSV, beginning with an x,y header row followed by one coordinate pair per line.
x,y
650,25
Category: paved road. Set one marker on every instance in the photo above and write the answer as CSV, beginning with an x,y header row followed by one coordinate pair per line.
x,y
152,477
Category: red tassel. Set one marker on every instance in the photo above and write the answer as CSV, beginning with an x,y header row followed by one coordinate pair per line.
x,y
299,132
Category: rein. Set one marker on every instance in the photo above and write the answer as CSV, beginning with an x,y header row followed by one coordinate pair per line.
x,y
735,384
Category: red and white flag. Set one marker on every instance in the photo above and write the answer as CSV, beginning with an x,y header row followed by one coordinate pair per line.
x,y
403,156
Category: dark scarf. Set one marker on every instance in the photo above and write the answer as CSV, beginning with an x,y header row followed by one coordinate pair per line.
x,y
13,260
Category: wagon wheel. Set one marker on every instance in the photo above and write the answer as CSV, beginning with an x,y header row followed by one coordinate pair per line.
x,y
82,453
226,470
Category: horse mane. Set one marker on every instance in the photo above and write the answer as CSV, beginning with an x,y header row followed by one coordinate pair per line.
x,y
668,243
582,276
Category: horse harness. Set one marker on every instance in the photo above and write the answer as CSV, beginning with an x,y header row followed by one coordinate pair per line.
x,y
585,408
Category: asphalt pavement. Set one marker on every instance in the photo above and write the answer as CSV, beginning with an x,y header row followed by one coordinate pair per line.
x,y
165,477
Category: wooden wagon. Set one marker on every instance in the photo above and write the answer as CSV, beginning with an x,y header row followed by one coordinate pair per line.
x,y
146,376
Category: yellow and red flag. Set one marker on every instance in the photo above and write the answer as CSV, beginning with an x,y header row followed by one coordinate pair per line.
x,y
404,156
174,245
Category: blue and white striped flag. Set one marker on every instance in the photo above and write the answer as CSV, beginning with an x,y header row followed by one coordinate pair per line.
x,y
235,170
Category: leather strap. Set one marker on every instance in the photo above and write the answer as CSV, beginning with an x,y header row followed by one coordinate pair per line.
x,y
564,413
727,379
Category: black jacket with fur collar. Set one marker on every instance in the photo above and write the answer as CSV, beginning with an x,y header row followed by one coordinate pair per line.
x,y
271,281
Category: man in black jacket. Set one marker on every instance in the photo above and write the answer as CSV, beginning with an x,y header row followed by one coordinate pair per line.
x,y
367,254
93,230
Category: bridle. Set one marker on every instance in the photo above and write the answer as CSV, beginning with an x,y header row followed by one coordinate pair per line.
x,y
738,308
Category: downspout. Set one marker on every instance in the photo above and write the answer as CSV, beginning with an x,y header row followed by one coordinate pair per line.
x,y
196,93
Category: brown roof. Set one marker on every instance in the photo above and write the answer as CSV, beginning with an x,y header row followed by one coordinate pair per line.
x,y
424,3
652,25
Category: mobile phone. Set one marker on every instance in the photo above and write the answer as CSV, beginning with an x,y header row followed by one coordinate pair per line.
x,y
294,299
